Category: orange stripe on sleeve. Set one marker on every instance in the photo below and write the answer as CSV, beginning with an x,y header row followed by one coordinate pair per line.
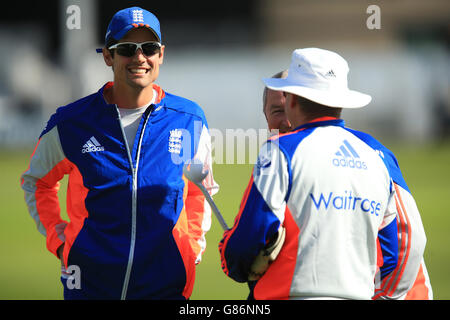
x,y
380,260
47,203
276,282
76,209
188,231
419,290
404,253
195,210
388,285
387,282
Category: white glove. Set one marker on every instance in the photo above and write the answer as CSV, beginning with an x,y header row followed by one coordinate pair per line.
x,y
267,255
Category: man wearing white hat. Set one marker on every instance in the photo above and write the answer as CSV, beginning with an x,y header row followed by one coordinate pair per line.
x,y
333,197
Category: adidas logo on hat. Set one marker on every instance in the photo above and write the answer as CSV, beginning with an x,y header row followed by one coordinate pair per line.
x,y
330,74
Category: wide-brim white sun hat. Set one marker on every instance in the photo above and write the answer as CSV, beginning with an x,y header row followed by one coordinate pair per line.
x,y
321,76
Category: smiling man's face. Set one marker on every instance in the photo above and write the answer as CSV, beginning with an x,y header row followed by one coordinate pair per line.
x,y
138,71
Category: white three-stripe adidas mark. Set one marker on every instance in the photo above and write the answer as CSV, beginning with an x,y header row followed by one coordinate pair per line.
x,y
92,145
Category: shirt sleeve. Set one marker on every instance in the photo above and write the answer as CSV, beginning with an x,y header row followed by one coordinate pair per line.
x,y
40,183
402,242
260,215
197,208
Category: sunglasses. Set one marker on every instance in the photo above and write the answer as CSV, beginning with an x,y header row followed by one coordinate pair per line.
x,y
128,49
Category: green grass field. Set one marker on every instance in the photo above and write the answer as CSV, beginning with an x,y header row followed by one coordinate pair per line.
x,y
29,271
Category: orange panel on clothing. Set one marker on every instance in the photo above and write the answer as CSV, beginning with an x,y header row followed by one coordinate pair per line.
x,y
275,284
160,93
195,208
403,225
76,209
186,233
380,260
405,249
419,290
47,202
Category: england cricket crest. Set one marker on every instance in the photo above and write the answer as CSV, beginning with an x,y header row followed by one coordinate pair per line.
x,y
175,141
138,16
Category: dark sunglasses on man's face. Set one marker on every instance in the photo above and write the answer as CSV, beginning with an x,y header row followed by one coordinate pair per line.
x,y
128,49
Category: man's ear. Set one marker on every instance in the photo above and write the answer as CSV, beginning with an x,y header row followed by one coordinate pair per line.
x,y
161,54
290,100
107,57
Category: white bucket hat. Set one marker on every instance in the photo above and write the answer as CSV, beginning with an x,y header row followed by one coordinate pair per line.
x,y
321,76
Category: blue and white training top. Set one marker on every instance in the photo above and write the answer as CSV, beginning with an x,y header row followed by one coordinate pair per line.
x,y
136,226
352,227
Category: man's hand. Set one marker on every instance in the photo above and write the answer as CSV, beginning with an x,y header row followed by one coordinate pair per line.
x,y
268,254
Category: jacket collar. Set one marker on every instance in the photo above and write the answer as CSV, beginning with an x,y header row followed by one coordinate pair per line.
x,y
320,122
160,92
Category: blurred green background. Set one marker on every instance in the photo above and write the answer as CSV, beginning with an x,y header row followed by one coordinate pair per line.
x,y
29,271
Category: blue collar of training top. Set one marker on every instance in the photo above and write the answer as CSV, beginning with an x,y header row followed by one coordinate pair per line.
x,y
320,122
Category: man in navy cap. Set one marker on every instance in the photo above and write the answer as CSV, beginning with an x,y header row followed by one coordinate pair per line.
x,y
136,225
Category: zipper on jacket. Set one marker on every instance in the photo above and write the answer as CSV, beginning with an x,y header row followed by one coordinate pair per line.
x,y
134,171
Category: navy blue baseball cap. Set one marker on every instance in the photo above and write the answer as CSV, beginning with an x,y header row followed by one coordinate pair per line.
x,y
129,18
